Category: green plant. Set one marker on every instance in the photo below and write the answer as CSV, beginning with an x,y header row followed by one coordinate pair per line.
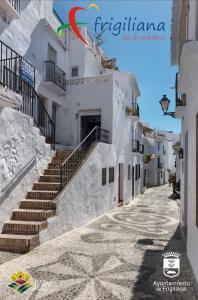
x,y
147,158
130,111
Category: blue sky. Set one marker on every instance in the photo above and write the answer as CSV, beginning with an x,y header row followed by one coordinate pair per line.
x,y
149,60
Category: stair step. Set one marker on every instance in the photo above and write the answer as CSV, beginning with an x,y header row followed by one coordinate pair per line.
x,y
47,195
46,186
18,243
50,178
37,204
57,165
63,153
52,172
32,214
23,227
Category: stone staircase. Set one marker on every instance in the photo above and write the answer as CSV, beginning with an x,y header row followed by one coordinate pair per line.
x,y
21,233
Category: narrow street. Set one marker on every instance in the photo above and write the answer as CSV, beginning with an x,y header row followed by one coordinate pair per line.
x,y
118,256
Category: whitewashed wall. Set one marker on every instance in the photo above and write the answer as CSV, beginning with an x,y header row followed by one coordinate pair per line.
x,y
80,203
20,142
188,84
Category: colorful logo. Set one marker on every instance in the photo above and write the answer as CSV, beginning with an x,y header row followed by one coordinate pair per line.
x,y
73,24
20,282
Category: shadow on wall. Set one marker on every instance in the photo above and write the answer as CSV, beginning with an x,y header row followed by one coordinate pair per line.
x,y
37,50
16,179
151,269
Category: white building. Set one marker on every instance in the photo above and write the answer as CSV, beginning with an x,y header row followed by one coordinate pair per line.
x,y
66,89
184,53
159,145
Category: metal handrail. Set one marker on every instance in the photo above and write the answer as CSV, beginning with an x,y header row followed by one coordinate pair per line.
x,y
79,146
19,173
18,75
86,145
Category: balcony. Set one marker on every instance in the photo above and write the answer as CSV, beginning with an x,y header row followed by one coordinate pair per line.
x,y
141,149
135,146
10,9
15,72
160,165
135,109
180,100
55,77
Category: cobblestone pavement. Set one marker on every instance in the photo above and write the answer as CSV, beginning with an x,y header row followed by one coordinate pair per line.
x,y
116,257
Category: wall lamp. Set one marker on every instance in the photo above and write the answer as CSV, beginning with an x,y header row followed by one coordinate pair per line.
x,y
164,102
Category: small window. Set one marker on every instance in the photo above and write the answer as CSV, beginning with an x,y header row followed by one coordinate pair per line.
x,y
111,175
136,172
104,176
139,171
74,72
129,172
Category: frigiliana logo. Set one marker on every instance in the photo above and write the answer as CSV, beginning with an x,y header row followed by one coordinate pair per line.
x,y
171,264
73,24
127,25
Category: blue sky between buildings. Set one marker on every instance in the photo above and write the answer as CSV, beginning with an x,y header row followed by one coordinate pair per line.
x,y
147,58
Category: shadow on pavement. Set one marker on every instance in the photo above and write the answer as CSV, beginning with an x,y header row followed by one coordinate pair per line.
x,y
151,270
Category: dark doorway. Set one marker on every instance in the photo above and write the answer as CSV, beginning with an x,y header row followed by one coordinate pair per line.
x,y
120,184
88,123
133,173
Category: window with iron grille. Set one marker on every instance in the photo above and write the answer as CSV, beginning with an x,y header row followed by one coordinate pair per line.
x,y
136,172
74,71
129,172
111,174
104,176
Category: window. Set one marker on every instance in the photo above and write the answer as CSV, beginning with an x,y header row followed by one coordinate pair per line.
x,y
52,54
136,172
74,71
158,162
164,150
129,172
111,175
104,176
139,171
138,146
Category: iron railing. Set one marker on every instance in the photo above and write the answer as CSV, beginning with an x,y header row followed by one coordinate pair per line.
x,y
16,4
19,69
18,75
55,74
180,99
141,148
135,110
135,145
71,164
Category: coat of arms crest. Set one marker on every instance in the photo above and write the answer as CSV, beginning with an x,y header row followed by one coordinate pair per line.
x,y
171,264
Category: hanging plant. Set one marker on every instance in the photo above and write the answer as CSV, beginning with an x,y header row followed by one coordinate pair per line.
x,y
131,111
147,158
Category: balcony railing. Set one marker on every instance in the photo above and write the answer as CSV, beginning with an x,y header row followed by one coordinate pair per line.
x,y
55,75
135,146
16,4
135,109
14,68
18,75
141,148
180,100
